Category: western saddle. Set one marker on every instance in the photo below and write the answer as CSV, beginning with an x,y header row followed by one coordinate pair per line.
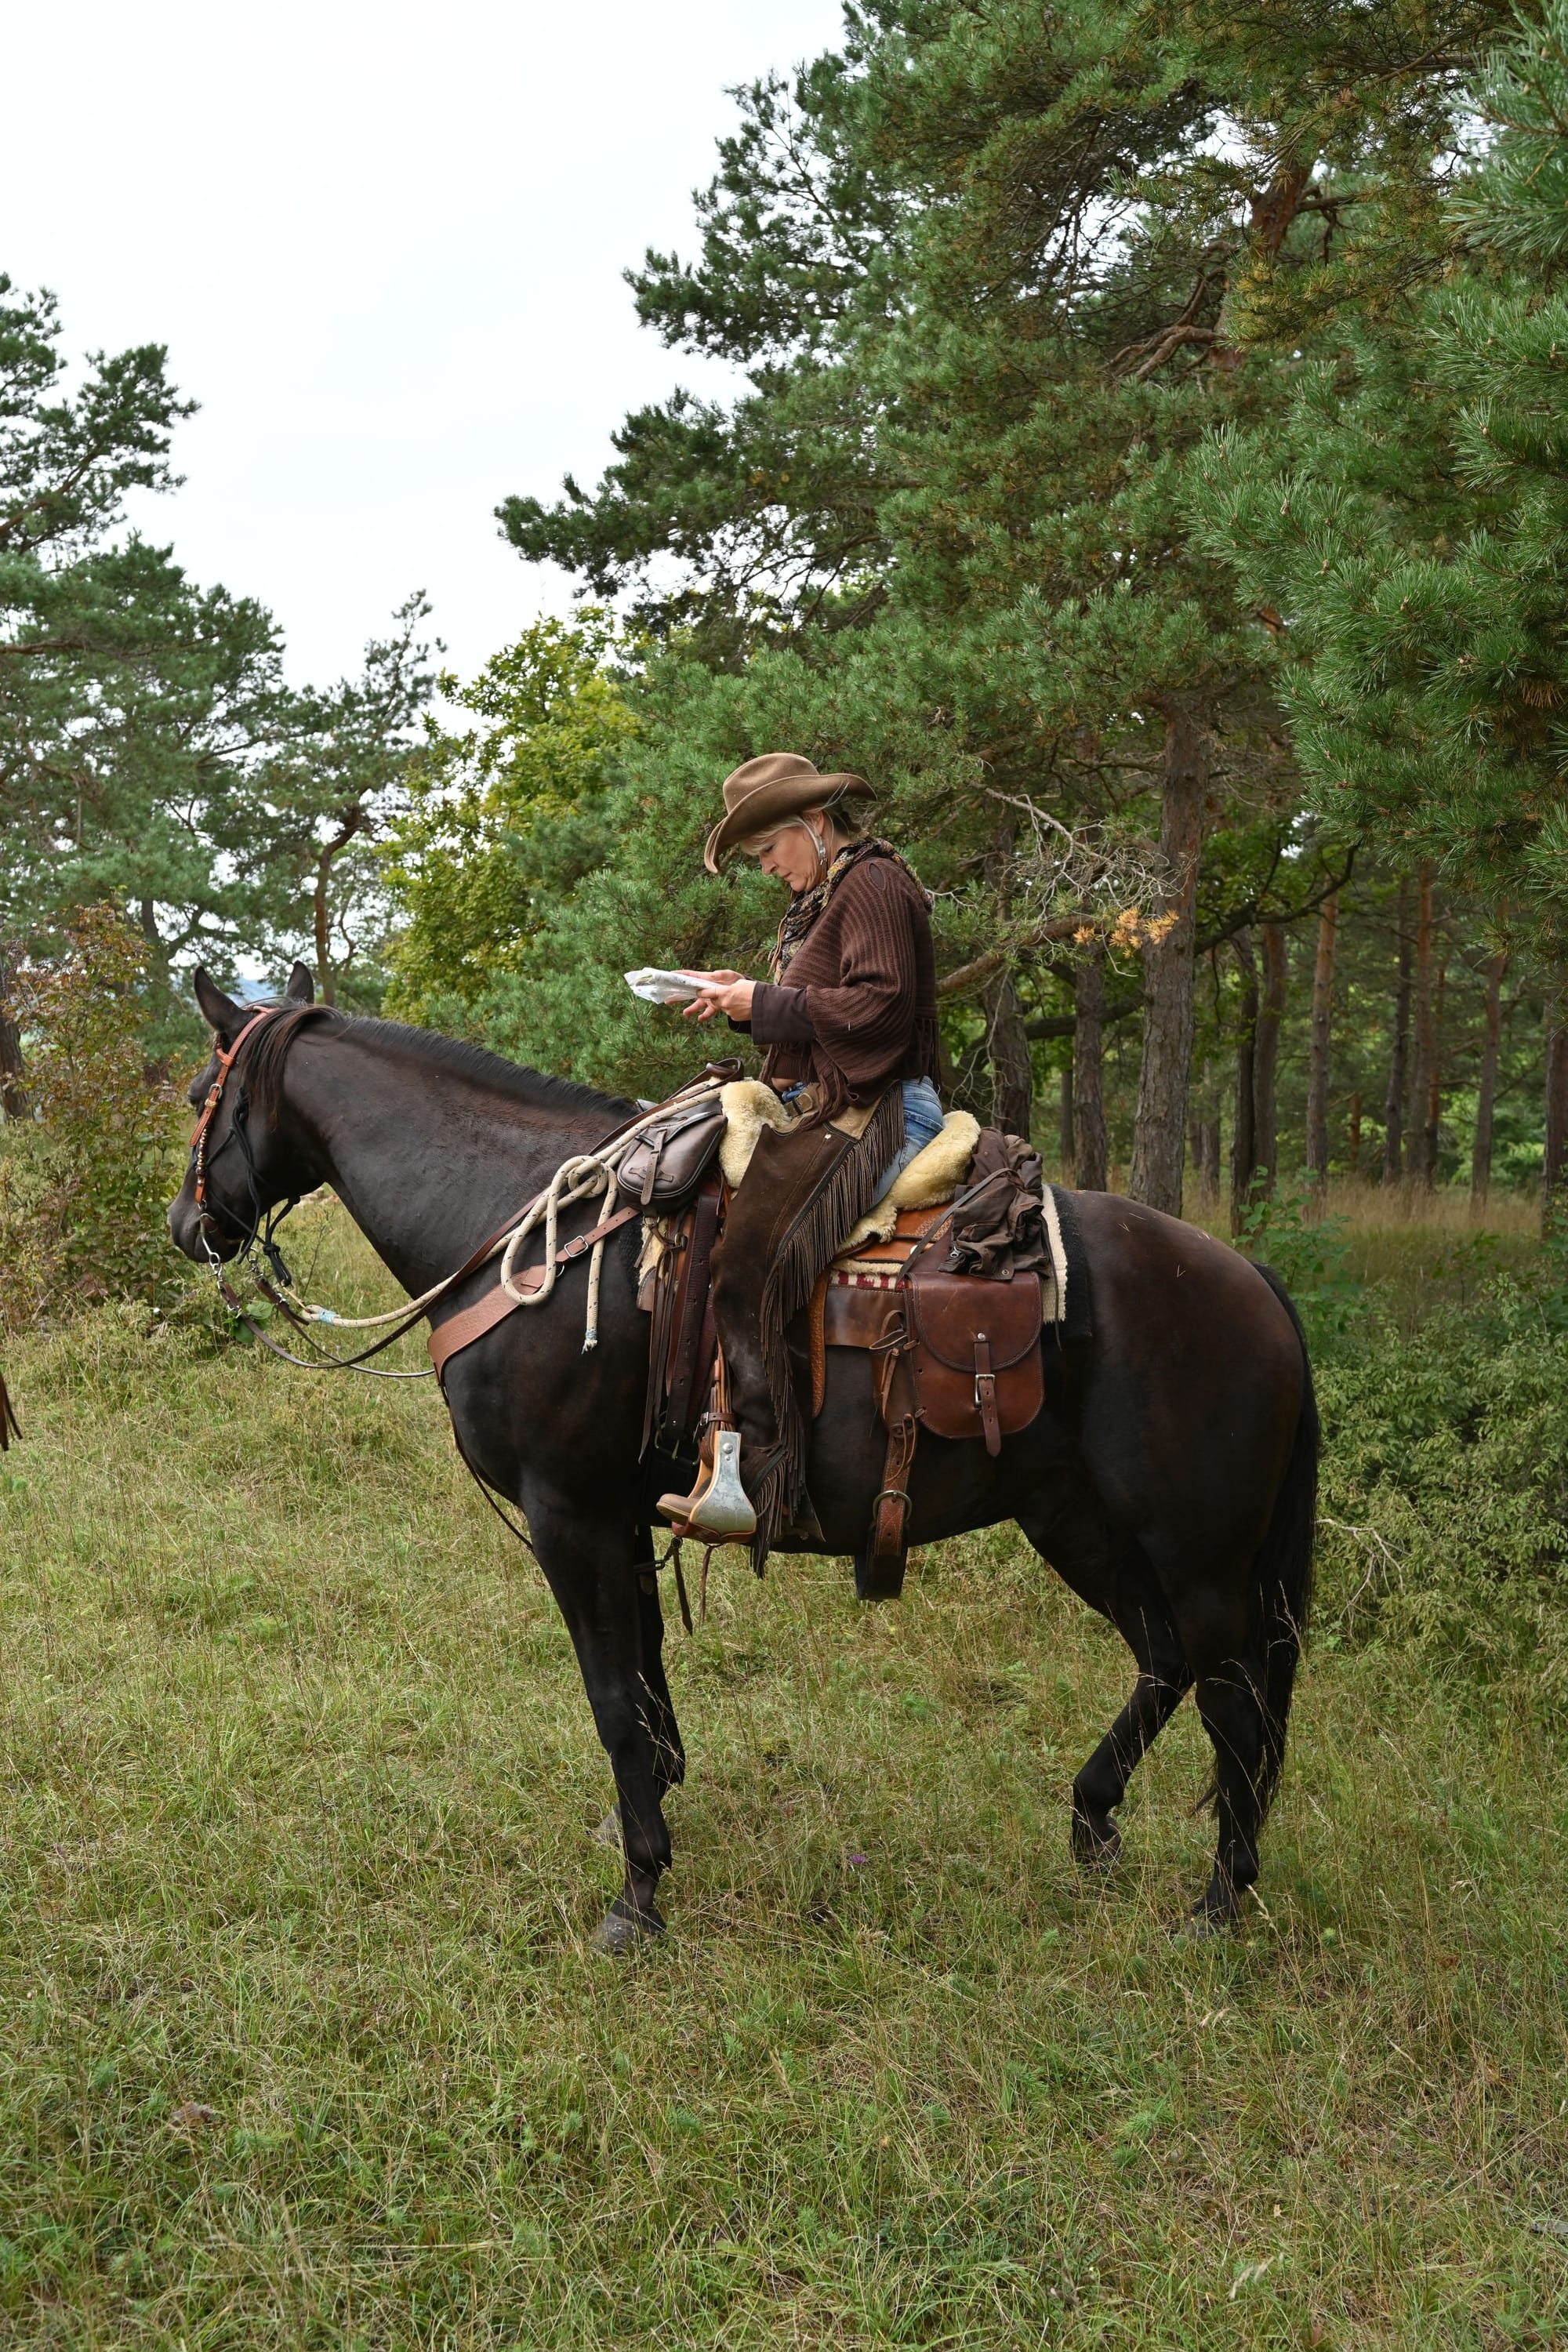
x,y
956,1354
953,1353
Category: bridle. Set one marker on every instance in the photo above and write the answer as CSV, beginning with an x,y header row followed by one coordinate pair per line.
x,y
225,1061
257,1235
402,1320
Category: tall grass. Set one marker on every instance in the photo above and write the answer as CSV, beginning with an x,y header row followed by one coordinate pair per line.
x,y
303,2044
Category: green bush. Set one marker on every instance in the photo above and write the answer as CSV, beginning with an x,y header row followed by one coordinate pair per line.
x,y
1285,1231
83,1181
1445,1476
1444,1521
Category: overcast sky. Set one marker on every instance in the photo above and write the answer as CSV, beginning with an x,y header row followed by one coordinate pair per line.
x,y
384,244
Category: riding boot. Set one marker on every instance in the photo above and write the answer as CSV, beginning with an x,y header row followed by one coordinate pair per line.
x,y
803,1194
716,1509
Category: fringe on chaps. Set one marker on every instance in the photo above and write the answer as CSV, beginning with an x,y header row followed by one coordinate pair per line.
x,y
803,1193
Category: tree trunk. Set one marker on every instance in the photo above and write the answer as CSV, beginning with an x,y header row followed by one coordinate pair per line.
x,y
1091,1157
1486,1094
1012,1064
1353,1148
1554,1170
1244,1126
1421,1061
1432,1113
1265,1060
352,822
318,908
1158,1136
1067,1145
13,1086
1207,1157
1393,1107
1006,1044
1318,1053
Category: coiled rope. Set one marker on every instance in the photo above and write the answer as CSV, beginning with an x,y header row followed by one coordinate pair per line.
x,y
587,1175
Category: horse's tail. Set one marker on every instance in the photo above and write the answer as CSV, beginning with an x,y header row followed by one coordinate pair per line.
x,y
1282,1571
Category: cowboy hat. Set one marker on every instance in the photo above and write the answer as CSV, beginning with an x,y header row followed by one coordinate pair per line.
x,y
764,792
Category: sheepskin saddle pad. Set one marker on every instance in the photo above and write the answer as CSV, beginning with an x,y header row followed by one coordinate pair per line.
x,y
929,1181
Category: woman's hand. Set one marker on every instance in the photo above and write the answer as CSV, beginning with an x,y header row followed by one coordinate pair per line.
x,y
722,991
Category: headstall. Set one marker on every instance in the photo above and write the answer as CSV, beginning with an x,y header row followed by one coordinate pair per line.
x,y
225,1061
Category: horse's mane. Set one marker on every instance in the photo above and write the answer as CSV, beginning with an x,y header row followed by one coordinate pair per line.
x,y
513,1081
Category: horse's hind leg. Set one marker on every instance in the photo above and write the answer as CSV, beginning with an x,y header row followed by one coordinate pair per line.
x,y
1163,1679
1163,1676
1232,1715
1114,1577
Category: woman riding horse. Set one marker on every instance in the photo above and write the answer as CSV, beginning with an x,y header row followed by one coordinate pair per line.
x,y
847,1015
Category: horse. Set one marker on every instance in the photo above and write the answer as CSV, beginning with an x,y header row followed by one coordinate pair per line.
x,y
1170,1480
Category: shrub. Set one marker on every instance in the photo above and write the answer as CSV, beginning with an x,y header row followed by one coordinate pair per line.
x,y
84,1181
1444,1501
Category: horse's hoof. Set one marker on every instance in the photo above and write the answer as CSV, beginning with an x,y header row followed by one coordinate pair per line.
x,y
623,1930
1096,1845
609,1830
1213,1914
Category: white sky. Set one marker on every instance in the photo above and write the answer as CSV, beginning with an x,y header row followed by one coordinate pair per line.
x,y
383,246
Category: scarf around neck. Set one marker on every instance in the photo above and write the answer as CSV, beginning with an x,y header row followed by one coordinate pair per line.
x,y
807,905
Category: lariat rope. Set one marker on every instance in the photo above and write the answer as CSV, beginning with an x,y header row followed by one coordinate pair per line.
x,y
585,1176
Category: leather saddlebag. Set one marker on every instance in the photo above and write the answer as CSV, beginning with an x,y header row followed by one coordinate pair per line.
x,y
669,1159
978,1367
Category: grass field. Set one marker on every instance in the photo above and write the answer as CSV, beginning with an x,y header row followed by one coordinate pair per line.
x,y
302,2042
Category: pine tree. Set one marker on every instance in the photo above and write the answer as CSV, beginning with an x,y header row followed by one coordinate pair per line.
x,y
1410,522
995,276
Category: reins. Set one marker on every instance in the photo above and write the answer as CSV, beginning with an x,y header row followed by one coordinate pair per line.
x,y
584,1177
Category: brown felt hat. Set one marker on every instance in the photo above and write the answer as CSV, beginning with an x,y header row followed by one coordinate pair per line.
x,y
764,792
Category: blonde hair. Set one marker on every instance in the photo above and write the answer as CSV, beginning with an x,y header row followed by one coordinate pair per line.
x,y
756,843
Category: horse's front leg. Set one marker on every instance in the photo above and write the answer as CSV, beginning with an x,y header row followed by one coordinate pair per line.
x,y
592,1566
669,1750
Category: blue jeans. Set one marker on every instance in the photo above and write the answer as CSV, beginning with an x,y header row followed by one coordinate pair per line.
x,y
922,1124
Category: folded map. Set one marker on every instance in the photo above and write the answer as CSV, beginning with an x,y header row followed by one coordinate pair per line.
x,y
655,987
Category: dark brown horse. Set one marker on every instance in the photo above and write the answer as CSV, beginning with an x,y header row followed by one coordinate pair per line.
x,y
1171,1479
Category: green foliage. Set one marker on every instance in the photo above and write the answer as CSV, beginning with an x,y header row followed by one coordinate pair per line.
x,y
996,276
1286,1229
504,819
1409,518
150,750
1446,1497
84,1183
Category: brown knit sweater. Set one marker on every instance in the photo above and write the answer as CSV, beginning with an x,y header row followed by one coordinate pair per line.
x,y
858,1010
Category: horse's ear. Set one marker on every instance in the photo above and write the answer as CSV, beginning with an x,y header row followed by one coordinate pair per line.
x,y
222,1016
301,988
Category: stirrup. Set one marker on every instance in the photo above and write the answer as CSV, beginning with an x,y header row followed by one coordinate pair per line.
x,y
720,1508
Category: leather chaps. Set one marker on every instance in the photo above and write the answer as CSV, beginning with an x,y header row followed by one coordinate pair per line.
x,y
805,1188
